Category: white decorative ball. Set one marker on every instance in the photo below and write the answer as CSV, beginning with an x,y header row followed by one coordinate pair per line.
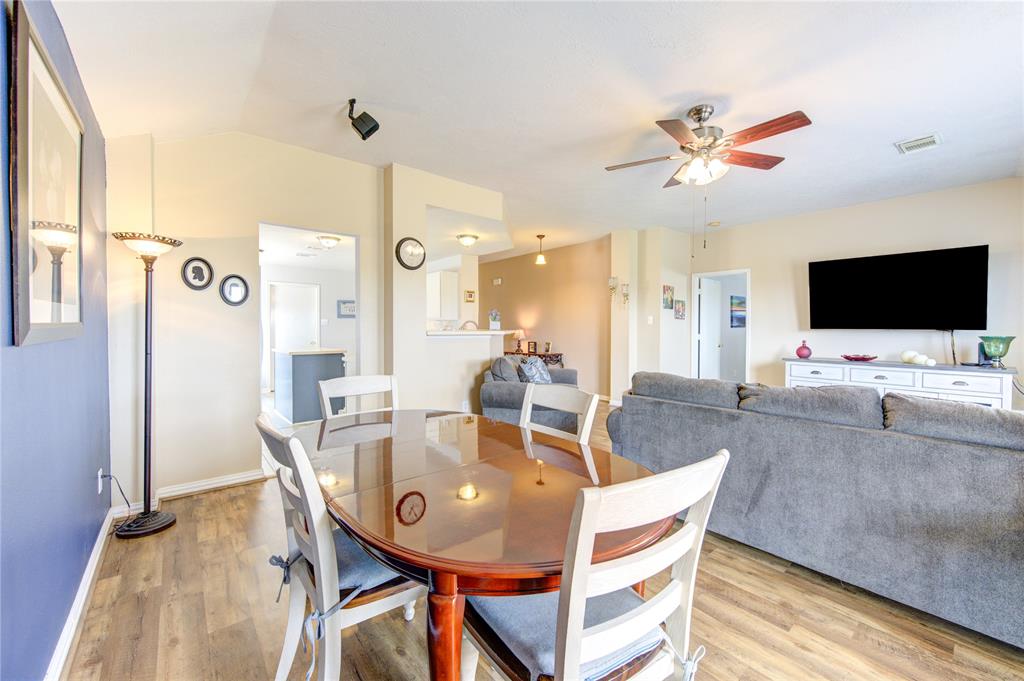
x,y
907,356
920,359
931,362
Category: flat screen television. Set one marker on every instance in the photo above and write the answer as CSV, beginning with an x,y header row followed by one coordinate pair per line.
x,y
944,289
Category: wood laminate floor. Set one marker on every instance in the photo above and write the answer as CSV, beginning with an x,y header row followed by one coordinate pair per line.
x,y
197,602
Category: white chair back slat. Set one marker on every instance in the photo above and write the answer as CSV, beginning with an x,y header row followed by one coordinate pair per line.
x,y
564,398
351,387
620,573
633,504
272,438
596,641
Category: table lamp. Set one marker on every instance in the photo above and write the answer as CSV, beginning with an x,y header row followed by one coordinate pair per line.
x,y
519,335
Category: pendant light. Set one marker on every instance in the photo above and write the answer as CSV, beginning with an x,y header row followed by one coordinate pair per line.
x,y
541,260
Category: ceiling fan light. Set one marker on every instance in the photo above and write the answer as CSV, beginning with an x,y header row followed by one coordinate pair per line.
x,y
467,240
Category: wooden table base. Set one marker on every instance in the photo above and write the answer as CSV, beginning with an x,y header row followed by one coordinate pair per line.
x,y
445,610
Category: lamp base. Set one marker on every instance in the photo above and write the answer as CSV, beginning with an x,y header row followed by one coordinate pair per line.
x,y
145,524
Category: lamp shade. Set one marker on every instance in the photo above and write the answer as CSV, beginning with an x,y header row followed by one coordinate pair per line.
x,y
151,245
54,234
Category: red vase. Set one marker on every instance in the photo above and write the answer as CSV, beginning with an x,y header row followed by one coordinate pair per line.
x,y
803,352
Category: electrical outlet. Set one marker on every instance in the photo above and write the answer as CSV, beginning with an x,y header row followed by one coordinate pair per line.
x,y
99,481
465,406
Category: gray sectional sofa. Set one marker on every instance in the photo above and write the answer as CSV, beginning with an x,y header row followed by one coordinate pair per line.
x,y
918,500
503,391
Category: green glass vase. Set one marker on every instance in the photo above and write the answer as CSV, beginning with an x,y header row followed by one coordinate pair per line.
x,y
996,348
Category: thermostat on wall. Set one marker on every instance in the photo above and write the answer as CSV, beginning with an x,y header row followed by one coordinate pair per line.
x,y
496,281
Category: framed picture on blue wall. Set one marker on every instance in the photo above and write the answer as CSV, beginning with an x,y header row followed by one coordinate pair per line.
x,y
46,198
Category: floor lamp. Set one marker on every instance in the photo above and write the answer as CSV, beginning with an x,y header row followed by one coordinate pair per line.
x,y
149,247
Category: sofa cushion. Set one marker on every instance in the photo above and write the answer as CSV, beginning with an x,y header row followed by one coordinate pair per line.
x,y
957,421
692,390
839,404
533,370
504,369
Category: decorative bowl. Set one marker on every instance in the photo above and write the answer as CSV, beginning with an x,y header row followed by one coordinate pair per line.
x,y
859,358
996,348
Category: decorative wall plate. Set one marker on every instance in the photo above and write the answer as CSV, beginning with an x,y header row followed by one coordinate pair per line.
x,y
234,290
197,273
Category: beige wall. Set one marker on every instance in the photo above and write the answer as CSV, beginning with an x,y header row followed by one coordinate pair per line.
x,y
438,372
565,302
212,192
663,342
777,253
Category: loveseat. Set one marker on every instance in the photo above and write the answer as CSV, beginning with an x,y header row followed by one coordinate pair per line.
x,y
503,391
918,500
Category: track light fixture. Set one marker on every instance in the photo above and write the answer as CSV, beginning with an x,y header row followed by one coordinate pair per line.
x,y
364,124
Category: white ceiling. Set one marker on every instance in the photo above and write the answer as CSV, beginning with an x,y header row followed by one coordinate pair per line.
x,y
534,99
295,247
444,225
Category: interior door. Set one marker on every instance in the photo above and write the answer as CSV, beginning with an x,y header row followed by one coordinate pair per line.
x,y
294,318
709,332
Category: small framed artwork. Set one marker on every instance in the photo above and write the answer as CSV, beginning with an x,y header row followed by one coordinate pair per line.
x,y
531,347
737,312
667,296
346,309
469,296
234,290
547,346
679,309
197,273
45,166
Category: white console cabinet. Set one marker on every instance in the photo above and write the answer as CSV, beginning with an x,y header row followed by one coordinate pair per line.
x,y
991,387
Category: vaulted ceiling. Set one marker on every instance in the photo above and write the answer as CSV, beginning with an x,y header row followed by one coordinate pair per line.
x,y
534,99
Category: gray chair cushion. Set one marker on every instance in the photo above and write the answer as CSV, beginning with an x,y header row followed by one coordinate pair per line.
x,y
355,567
533,370
504,369
839,404
957,421
680,389
526,624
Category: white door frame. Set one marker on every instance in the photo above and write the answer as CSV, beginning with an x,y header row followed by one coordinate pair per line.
x,y
695,316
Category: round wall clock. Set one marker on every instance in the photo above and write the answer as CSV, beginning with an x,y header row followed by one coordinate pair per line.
x,y
197,273
410,508
410,253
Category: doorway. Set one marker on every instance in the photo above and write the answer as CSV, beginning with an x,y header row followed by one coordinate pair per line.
x,y
293,317
720,332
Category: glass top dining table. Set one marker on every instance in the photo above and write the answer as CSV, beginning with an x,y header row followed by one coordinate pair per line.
x,y
462,503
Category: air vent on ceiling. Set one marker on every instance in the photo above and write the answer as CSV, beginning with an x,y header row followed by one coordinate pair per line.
x,y
918,144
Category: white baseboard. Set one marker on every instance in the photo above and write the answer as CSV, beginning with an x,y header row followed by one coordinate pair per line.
x,y
77,611
74,620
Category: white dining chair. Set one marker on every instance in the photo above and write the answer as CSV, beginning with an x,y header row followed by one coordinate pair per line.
x,y
343,583
564,398
596,626
357,386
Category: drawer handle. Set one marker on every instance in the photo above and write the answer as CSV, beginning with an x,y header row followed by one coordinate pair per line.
x,y
815,373
962,384
880,377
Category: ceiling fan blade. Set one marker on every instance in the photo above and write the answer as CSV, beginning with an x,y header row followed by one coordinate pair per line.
x,y
672,181
735,157
640,163
680,131
776,126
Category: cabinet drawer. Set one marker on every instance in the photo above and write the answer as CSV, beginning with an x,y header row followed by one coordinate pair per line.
x,y
975,399
882,376
800,383
968,383
816,373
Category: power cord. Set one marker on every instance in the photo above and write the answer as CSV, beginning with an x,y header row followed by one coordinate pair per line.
x,y
127,505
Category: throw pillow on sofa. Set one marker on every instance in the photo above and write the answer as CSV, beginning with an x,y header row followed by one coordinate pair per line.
x,y
533,370
958,421
504,369
839,404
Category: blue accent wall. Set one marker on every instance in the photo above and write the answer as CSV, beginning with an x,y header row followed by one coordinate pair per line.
x,y
54,413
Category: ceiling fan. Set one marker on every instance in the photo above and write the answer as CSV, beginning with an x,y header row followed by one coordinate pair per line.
x,y
709,153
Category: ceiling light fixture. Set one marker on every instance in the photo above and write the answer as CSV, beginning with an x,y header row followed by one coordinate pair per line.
x,y
701,171
541,260
467,240
364,124
328,240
